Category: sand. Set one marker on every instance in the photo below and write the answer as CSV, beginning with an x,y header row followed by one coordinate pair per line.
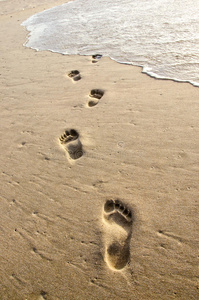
x,y
99,176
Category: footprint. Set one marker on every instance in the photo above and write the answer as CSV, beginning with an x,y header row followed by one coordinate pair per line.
x,y
96,58
75,75
43,295
97,94
118,221
71,143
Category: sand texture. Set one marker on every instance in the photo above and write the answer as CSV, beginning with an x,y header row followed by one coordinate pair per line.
x,y
99,175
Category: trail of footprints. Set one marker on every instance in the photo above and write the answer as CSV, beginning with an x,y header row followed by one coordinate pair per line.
x,y
117,217
70,140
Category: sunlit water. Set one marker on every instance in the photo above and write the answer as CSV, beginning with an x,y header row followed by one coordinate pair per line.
x,y
162,36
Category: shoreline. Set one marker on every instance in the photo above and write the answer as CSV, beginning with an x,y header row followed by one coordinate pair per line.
x,y
52,40
137,140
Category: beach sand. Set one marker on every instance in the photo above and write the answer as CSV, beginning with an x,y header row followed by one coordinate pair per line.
x,y
110,210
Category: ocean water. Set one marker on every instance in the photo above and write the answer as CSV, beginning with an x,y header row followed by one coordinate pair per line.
x,y
162,36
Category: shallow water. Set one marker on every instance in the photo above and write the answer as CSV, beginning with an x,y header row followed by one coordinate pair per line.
x,y
162,36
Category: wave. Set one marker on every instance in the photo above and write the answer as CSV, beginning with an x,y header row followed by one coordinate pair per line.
x,y
161,36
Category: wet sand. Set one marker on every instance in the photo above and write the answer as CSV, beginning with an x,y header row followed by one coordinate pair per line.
x,y
99,175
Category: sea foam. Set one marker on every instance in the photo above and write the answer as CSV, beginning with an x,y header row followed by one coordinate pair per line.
x,y
162,36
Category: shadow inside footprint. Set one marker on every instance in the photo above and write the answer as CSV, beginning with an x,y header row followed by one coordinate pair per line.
x,y
119,219
75,75
71,142
92,103
96,93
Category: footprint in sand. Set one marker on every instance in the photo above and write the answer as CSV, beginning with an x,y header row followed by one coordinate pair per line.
x,y
118,228
96,58
96,94
75,75
71,143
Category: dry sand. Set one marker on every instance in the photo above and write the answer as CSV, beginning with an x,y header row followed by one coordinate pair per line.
x,y
119,222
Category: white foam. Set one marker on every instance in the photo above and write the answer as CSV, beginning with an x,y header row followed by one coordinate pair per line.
x,y
162,36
